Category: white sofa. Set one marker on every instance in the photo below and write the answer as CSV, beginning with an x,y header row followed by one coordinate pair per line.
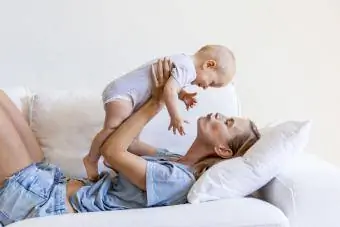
x,y
306,194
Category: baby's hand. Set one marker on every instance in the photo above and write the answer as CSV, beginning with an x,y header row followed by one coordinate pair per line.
x,y
176,123
189,99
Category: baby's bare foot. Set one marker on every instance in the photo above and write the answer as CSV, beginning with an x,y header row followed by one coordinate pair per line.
x,y
91,168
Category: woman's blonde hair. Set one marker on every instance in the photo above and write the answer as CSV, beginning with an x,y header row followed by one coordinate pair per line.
x,y
238,145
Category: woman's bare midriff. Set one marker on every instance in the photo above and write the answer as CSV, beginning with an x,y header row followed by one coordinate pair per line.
x,y
72,187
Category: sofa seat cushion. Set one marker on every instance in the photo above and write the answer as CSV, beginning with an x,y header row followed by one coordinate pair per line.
x,y
245,212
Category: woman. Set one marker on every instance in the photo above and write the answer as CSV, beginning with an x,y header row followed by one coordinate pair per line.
x,y
31,188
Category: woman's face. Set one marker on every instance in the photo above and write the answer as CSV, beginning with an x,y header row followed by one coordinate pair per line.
x,y
216,129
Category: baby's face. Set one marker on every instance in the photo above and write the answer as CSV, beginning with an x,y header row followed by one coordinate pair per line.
x,y
210,78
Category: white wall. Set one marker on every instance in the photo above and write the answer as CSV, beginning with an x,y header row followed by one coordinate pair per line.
x,y
288,52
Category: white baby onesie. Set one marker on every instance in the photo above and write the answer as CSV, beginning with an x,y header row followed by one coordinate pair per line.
x,y
136,85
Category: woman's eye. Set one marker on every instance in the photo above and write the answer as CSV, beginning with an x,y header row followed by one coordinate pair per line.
x,y
230,121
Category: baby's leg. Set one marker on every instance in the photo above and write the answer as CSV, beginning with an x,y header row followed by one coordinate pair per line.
x,y
116,112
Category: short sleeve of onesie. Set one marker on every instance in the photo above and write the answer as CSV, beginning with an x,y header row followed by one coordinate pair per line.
x,y
184,70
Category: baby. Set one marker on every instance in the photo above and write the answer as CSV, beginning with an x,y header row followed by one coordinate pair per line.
x,y
210,66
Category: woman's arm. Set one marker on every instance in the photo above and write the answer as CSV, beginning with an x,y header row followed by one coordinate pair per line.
x,y
141,148
115,147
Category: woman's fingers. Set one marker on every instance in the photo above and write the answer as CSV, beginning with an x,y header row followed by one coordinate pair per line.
x,y
166,67
160,73
154,76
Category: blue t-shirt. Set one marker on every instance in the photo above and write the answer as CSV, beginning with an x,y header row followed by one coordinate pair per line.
x,y
167,183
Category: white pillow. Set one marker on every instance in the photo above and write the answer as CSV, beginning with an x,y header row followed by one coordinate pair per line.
x,y
242,176
65,123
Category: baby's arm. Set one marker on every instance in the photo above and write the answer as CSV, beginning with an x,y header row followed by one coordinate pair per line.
x,y
181,94
171,91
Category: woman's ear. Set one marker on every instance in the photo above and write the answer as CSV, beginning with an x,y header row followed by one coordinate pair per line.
x,y
223,151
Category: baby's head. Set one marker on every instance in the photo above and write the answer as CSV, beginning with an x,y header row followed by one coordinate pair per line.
x,y
215,66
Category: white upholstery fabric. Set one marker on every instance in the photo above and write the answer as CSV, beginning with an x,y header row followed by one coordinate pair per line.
x,y
245,212
308,192
65,123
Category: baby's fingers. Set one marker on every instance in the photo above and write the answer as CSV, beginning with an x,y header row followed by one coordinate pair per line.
x,y
174,129
171,126
193,94
181,131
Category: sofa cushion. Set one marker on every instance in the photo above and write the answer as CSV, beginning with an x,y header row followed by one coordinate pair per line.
x,y
65,123
245,212
307,192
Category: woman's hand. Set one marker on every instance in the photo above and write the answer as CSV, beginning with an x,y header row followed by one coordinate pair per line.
x,y
160,77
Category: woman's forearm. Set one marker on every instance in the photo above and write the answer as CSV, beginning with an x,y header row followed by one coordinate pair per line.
x,y
141,148
121,139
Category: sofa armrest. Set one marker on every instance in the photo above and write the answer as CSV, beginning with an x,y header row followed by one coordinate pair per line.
x,y
308,192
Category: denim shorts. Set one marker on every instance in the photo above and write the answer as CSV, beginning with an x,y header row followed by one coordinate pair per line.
x,y
35,191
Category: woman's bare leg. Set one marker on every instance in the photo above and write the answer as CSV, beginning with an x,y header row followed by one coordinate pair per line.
x,y
22,128
13,153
